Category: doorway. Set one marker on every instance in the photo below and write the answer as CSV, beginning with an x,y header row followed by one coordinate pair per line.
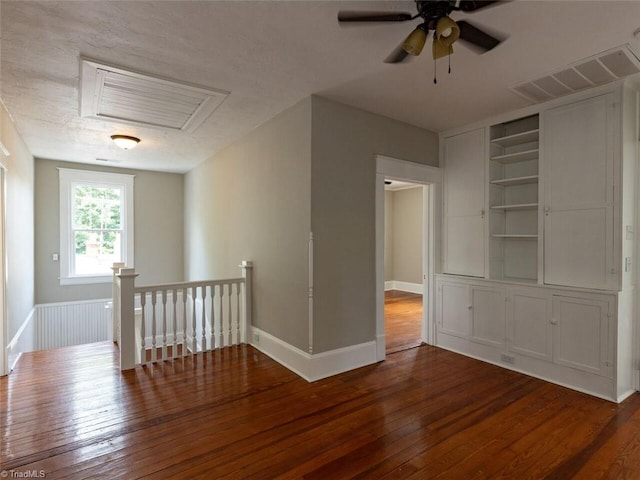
x,y
403,266
430,178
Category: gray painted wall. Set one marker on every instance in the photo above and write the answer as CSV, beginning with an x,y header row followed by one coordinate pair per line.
x,y
388,235
345,141
19,232
252,202
158,231
407,235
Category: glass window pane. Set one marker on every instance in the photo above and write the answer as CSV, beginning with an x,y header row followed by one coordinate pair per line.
x,y
95,252
96,208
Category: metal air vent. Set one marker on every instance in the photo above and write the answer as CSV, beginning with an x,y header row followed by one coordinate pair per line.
x,y
603,68
114,94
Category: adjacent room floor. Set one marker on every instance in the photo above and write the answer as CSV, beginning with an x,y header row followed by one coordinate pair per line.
x,y
402,320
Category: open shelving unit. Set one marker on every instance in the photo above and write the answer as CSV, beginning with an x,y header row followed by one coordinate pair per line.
x,y
513,196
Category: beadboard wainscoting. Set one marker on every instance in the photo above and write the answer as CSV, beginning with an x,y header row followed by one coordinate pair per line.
x,y
72,323
56,325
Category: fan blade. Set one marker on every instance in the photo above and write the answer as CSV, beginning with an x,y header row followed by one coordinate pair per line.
x,y
476,37
349,16
472,5
397,56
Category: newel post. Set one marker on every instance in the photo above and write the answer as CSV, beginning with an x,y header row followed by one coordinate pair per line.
x,y
115,301
128,353
247,274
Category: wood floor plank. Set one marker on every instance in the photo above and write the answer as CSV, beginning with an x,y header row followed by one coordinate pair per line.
x,y
402,320
233,414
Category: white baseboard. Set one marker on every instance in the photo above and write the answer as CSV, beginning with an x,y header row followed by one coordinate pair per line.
x,y
317,366
403,286
23,341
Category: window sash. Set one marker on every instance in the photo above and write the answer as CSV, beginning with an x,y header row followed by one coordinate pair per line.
x,y
69,180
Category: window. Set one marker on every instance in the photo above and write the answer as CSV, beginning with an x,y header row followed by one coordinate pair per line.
x,y
96,225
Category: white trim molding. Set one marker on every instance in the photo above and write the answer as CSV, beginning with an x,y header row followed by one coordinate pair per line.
x,y
68,180
23,341
317,366
431,178
404,286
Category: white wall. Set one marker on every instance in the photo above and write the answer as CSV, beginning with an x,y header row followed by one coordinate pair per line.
x,y
388,235
19,226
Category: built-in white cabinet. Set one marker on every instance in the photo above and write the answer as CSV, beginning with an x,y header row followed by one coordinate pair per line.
x,y
473,312
488,315
529,330
513,199
582,336
564,336
579,184
537,252
454,304
464,203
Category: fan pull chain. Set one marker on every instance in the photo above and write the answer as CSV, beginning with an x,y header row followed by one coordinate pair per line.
x,y
450,60
435,71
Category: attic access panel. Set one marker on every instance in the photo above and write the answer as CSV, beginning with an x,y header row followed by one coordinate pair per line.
x,y
114,94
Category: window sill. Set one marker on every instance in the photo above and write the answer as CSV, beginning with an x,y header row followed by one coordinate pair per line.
x,y
88,280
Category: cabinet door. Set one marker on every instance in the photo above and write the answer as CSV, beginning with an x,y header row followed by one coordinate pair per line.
x,y
581,334
453,317
578,194
488,315
529,323
464,201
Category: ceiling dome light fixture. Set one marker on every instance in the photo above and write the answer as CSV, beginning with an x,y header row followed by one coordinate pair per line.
x,y
125,141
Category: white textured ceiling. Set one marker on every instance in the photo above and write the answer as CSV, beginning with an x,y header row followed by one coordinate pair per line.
x,y
270,55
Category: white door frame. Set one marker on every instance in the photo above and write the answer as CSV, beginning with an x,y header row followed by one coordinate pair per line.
x,y
4,361
387,167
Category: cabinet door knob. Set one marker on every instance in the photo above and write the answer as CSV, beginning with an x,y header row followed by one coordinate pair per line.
x,y
469,307
547,210
554,321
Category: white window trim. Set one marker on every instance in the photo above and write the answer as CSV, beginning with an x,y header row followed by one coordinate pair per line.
x,y
70,177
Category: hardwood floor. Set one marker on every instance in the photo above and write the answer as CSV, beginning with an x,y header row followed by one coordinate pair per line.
x,y
402,320
235,413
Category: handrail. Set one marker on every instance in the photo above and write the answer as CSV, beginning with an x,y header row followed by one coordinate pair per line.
x,y
181,285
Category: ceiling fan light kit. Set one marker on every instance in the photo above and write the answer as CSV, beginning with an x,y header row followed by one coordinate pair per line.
x,y
447,32
414,43
435,17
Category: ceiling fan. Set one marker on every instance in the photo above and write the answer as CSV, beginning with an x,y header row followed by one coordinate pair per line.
x,y
435,18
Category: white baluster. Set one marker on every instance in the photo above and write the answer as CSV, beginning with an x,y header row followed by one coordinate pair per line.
x,y
214,329
204,318
238,313
174,349
143,327
164,324
154,353
185,295
230,314
194,296
222,343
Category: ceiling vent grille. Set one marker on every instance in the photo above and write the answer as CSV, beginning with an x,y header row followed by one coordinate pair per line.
x,y
597,70
114,94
